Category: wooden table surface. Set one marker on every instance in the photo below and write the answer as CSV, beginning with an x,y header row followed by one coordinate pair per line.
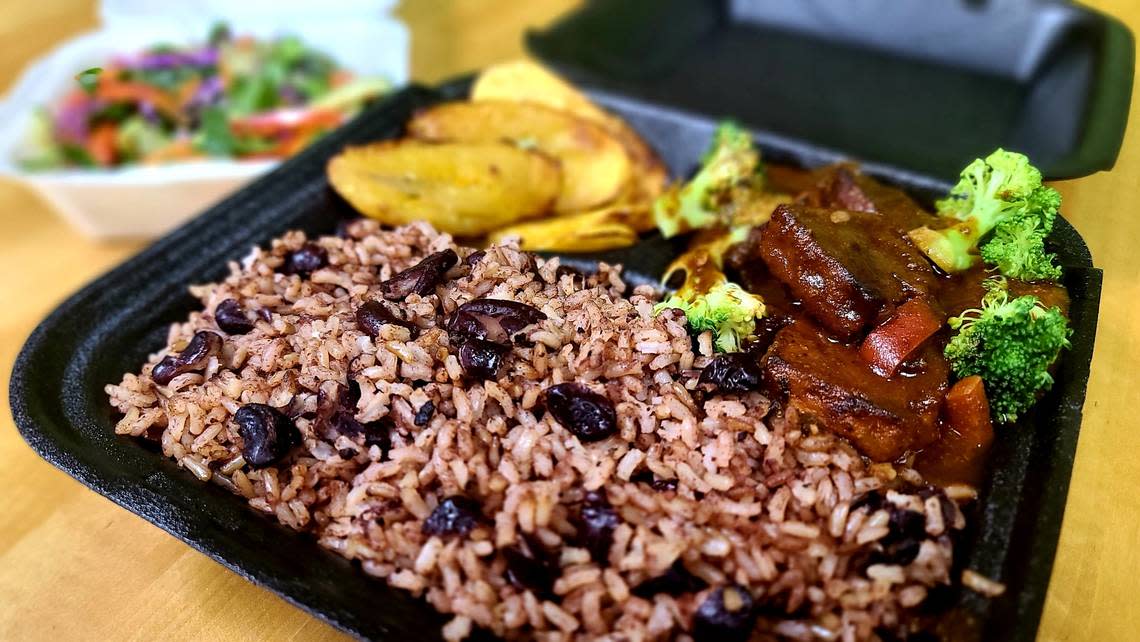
x,y
75,566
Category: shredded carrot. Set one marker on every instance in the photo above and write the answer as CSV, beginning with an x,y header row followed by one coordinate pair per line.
x,y
114,90
187,90
181,149
101,144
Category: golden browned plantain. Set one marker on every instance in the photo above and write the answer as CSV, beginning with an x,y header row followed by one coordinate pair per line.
x,y
636,214
466,189
649,174
595,166
605,228
525,81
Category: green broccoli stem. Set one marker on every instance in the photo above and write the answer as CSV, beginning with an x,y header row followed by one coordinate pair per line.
x,y
950,248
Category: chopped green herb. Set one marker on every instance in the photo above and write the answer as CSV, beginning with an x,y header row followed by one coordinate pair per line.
x,y
88,79
113,113
214,137
75,155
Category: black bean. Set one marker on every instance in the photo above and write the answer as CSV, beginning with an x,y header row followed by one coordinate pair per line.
x,y
343,423
166,370
949,511
353,392
455,515
305,260
726,615
482,360
658,484
872,500
864,558
379,433
346,453
265,314
193,357
677,580
733,372
494,320
374,315
577,277
201,347
905,524
900,552
775,605
597,521
336,414
267,435
425,413
336,417
474,258
587,414
530,567
421,278
231,317
901,544
563,270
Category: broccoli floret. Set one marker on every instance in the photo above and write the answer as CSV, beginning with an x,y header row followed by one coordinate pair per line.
x,y
729,169
1017,244
709,300
727,309
1011,345
1002,195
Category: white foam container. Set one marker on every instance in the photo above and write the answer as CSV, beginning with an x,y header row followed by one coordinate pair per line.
x,y
147,201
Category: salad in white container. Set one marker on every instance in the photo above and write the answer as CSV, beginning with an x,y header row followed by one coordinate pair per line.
x,y
130,130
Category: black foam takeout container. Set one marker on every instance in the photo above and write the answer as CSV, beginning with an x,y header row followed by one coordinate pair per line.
x,y
923,84
110,326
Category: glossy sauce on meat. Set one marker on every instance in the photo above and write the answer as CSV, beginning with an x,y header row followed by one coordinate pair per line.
x,y
883,417
849,269
838,263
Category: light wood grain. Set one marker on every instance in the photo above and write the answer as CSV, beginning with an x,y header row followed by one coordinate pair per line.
x,y
74,566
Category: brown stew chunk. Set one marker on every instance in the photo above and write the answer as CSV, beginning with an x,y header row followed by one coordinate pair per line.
x,y
849,269
843,187
883,417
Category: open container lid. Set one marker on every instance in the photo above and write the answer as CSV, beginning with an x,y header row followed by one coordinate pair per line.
x,y
926,86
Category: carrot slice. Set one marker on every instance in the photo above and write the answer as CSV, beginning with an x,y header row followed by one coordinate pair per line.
x,y
897,338
181,149
959,455
967,411
101,144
